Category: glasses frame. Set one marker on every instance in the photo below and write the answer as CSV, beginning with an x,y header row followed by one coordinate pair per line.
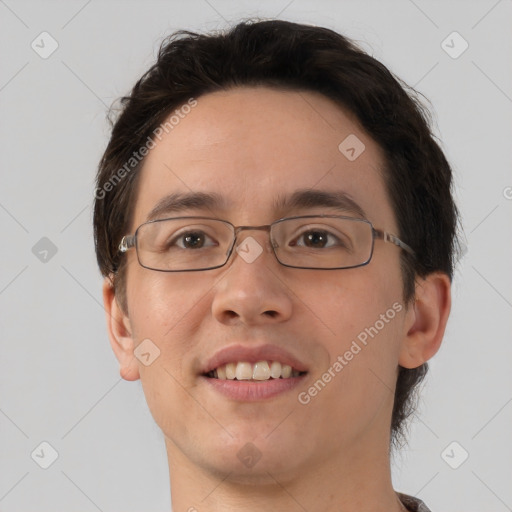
x,y
130,241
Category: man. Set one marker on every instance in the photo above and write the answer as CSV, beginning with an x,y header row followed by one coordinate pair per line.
x,y
275,225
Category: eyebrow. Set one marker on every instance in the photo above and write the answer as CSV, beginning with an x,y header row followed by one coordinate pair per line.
x,y
313,198
179,202
302,199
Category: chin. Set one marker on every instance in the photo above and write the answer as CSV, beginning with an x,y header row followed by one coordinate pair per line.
x,y
257,461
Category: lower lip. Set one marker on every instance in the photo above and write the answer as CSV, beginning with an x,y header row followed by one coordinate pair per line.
x,y
253,391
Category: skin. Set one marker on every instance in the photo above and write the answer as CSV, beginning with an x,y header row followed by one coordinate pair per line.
x,y
332,454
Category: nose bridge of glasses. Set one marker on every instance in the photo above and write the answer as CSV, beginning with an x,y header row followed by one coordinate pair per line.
x,y
265,227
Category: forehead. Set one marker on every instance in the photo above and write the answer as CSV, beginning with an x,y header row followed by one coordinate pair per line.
x,y
254,146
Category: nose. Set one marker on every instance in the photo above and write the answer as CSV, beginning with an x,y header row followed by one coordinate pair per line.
x,y
252,291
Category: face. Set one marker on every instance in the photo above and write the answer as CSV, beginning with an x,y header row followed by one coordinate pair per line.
x,y
253,146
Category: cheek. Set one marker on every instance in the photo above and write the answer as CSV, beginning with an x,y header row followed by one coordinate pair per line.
x,y
162,301
168,310
347,301
359,381
362,311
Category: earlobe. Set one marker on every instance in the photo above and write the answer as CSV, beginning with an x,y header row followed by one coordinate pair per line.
x,y
120,333
426,320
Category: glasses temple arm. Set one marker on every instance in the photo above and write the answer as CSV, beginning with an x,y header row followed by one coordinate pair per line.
x,y
388,237
127,242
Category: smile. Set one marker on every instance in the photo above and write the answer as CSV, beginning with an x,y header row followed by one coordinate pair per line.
x,y
259,371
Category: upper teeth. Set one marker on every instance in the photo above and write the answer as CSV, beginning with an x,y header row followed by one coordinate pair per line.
x,y
262,370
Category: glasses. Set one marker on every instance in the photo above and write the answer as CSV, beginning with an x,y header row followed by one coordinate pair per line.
x,y
320,242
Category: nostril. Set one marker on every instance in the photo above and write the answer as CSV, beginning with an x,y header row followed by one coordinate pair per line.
x,y
271,313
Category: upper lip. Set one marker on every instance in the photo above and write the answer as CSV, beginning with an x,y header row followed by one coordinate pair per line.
x,y
252,354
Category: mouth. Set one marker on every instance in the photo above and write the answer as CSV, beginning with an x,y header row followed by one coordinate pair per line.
x,y
253,373
256,372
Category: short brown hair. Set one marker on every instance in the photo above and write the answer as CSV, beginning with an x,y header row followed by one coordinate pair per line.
x,y
292,56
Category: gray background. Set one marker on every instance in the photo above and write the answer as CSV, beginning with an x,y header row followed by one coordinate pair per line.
x,y
59,380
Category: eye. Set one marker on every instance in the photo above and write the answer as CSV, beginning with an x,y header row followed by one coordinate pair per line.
x,y
317,239
192,240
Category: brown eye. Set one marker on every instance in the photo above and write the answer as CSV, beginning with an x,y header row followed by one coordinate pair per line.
x,y
318,239
315,239
193,240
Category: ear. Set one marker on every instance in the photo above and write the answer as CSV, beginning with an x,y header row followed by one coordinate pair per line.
x,y
426,320
120,333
